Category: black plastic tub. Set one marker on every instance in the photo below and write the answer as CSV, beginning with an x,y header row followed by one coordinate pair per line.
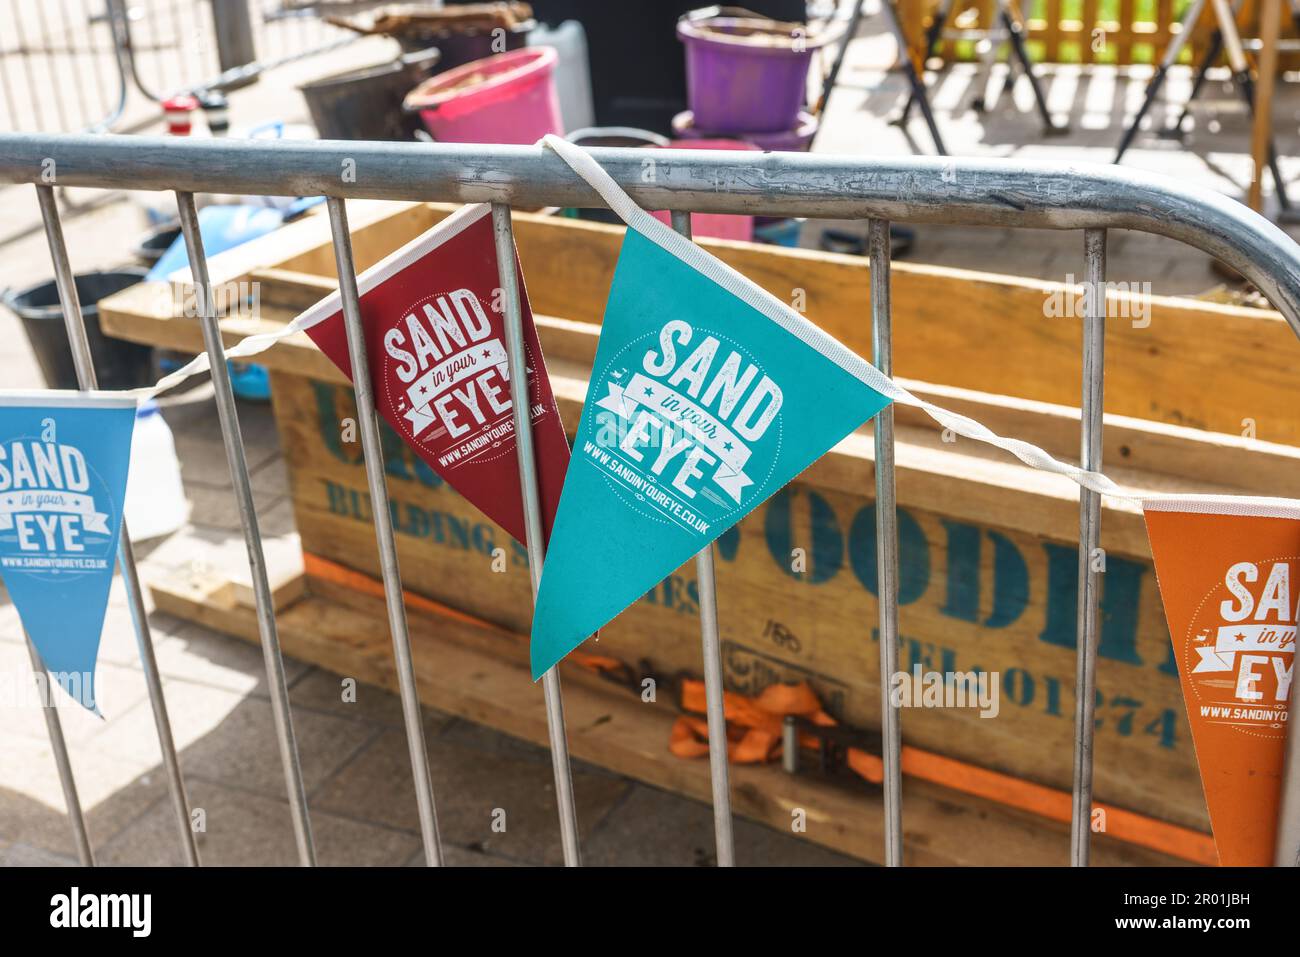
x,y
461,46
615,136
366,104
119,364
156,241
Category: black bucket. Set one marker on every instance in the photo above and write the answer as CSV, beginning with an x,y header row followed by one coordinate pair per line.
x,y
151,246
615,136
461,46
120,365
366,104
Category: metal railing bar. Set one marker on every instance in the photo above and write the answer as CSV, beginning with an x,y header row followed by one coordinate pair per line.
x,y
118,36
234,443
127,48
912,190
50,69
706,583
73,53
184,56
7,86
886,545
76,817
74,322
1287,852
368,421
1090,558
92,50
25,52
503,233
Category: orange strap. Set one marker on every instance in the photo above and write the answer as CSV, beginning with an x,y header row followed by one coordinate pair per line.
x,y
754,737
330,571
753,724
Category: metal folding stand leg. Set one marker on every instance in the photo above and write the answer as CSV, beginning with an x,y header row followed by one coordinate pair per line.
x,y
1246,86
1212,51
919,92
1016,35
933,34
1228,38
828,83
1157,80
988,57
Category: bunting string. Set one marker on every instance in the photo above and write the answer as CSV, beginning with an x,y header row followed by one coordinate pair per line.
x,y
776,310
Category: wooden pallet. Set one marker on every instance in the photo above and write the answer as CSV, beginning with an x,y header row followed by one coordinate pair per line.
x,y
479,672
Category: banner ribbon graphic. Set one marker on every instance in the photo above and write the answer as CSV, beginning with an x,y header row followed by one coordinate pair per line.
x,y
1231,639
36,501
425,391
685,418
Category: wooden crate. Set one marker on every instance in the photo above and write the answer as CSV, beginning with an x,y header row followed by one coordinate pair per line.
x,y
988,546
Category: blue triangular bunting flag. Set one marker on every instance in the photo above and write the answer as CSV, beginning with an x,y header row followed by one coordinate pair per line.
x,y
63,468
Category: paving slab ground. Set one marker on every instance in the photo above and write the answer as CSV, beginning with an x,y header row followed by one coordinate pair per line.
x,y
354,754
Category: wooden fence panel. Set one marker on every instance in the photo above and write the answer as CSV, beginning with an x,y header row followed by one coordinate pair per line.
x,y
1061,31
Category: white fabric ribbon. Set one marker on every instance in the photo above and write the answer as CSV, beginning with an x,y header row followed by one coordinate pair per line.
x,y
764,302
767,304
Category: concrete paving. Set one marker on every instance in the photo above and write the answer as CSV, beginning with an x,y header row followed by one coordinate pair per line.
x,y
354,754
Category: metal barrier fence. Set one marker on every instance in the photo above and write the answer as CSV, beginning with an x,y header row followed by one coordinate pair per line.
x,y
1093,199
70,65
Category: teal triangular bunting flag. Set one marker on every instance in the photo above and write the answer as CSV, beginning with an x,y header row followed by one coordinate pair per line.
x,y
707,395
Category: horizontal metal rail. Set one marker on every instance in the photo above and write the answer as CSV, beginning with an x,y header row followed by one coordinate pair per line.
x,y
908,190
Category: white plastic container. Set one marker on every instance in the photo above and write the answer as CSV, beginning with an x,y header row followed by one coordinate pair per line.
x,y
155,496
573,72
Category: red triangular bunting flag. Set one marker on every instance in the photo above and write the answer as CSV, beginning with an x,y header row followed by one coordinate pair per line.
x,y
435,339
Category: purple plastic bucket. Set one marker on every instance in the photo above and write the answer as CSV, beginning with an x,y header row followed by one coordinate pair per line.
x,y
794,140
745,73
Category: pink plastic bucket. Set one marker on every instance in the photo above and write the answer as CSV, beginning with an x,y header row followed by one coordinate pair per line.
x,y
509,98
716,225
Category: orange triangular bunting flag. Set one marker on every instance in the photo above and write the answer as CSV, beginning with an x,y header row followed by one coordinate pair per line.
x,y
1229,575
